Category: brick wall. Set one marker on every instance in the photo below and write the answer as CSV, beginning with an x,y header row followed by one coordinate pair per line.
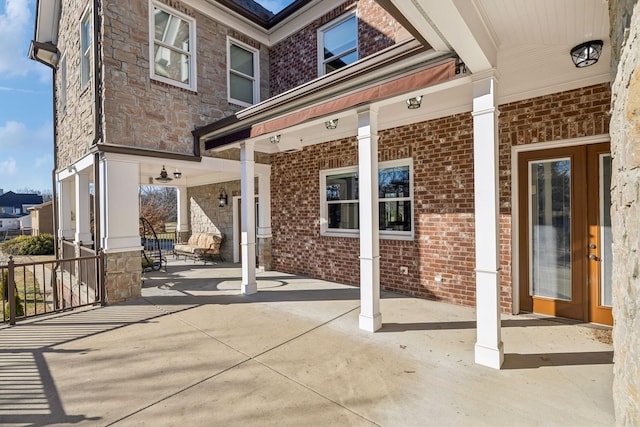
x,y
443,207
294,60
442,152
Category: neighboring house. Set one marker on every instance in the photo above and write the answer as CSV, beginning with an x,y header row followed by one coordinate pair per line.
x,y
18,203
437,148
9,222
42,218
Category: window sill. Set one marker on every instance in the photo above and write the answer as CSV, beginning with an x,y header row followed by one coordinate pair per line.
x,y
356,235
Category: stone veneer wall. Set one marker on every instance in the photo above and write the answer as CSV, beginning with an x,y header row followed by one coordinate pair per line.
x,y
207,216
442,152
141,112
296,59
123,276
75,121
625,210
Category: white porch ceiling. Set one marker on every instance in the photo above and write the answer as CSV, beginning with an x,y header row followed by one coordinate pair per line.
x,y
531,39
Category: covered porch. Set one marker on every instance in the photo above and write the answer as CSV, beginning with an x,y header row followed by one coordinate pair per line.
x,y
194,351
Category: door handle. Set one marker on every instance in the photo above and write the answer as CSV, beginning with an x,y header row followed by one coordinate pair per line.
x,y
592,246
593,257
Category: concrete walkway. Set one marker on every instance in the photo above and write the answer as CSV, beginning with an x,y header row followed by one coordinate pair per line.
x,y
194,352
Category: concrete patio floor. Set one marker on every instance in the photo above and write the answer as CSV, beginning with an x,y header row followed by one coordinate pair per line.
x,y
192,351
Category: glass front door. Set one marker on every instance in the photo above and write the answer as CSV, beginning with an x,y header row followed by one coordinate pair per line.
x,y
552,220
565,232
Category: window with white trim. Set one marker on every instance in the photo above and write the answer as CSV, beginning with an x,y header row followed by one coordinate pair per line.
x,y
339,204
85,47
338,43
172,40
243,73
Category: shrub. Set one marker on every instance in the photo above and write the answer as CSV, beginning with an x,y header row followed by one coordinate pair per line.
x,y
29,245
19,309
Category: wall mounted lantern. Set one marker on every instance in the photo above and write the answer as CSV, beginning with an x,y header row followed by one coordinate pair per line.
x,y
222,199
587,53
274,139
413,103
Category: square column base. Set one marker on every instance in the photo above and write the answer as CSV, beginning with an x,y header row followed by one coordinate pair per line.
x,y
488,356
249,288
370,324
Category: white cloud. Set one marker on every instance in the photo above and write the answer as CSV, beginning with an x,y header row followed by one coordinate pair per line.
x,y
16,30
16,135
8,167
18,90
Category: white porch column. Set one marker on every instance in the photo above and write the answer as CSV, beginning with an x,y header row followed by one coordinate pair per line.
x,y
83,209
370,317
65,227
183,211
264,221
248,235
264,203
120,211
488,349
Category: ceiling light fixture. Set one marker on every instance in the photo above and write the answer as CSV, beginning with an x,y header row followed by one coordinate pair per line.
x,y
177,174
331,124
587,53
164,176
413,103
274,139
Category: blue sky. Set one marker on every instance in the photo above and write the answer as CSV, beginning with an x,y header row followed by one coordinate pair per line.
x,y
274,6
26,123
26,116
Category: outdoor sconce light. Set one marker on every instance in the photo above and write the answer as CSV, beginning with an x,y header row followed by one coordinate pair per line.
x,y
164,176
274,139
331,124
413,103
177,174
587,53
222,199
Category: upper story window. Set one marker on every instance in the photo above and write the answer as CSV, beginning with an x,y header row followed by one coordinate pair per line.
x,y
339,200
243,73
338,43
172,39
85,47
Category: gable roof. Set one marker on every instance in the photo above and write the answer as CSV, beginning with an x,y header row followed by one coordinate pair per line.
x,y
17,200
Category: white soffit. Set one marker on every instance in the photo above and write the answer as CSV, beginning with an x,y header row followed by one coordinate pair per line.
x,y
534,38
527,41
47,17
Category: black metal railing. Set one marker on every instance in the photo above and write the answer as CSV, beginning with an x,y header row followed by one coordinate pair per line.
x,y
34,288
